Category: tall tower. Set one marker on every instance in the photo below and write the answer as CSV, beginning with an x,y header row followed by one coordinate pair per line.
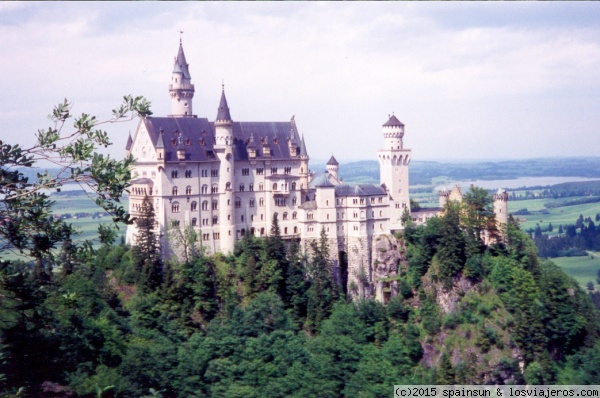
x,y
393,170
303,164
181,88
501,207
224,150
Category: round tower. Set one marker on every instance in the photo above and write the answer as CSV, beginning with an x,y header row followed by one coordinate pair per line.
x,y
181,88
393,132
224,150
333,167
501,206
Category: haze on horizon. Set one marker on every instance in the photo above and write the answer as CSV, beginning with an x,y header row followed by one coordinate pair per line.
x,y
474,81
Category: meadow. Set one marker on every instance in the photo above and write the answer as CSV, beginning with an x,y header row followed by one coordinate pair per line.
x,y
583,269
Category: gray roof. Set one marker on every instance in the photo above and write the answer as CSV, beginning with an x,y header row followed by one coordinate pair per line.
x,y
332,162
142,181
129,143
223,111
181,65
303,152
199,137
321,181
393,122
358,190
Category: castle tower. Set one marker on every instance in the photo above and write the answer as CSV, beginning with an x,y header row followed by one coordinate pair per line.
x,y
501,207
443,196
393,169
303,164
224,150
332,167
181,88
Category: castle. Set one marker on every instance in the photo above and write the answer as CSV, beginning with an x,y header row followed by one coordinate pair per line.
x,y
227,178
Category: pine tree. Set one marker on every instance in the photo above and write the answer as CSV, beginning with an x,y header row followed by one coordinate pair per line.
x,y
452,246
445,372
146,252
295,284
321,294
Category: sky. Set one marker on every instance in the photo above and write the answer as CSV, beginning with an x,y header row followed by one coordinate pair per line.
x,y
470,80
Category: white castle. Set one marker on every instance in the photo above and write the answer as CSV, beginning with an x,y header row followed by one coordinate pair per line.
x,y
227,178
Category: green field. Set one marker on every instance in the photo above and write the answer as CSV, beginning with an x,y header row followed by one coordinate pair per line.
x,y
561,215
582,269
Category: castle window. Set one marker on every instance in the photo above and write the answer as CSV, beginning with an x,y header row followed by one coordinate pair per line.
x,y
194,206
205,236
328,216
354,201
204,172
274,186
229,217
174,174
188,173
175,207
372,201
380,200
251,187
355,215
293,186
238,203
215,188
194,222
242,188
251,218
245,171
285,230
228,186
175,191
287,170
261,187
188,190
262,232
215,220
214,173
285,215
309,216
259,171
262,217
252,203
280,202
215,205
205,205
294,216
242,218
273,170
295,230
362,201
216,235
205,221
175,223
261,202
204,189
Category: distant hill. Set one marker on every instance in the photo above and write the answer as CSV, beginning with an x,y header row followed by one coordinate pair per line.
x,y
422,172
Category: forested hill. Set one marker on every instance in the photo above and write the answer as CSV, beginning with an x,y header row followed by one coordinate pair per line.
x,y
421,172
269,320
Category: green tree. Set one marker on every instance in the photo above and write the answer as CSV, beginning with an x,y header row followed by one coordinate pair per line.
x,y
321,293
146,251
478,217
445,372
451,250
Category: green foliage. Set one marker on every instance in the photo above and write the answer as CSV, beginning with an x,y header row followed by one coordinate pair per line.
x,y
451,251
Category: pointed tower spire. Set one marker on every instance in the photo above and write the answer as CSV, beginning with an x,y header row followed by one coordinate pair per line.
x,y
223,114
160,143
129,142
181,88
303,151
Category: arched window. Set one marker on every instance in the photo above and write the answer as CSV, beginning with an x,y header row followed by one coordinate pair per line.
x,y
285,230
215,188
174,174
215,205
285,215
175,207
261,187
228,186
295,230
294,216
175,190
194,206
205,205
204,189
274,186
293,186
194,222
262,232
242,188
261,202
188,190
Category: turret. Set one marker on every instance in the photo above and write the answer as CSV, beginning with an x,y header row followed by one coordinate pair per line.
x,y
303,164
332,167
223,123
181,88
393,132
501,207
129,145
180,148
160,147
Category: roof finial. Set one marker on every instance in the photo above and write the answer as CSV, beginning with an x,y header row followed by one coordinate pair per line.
x,y
180,33
223,85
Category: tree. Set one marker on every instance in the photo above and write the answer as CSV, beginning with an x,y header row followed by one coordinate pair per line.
x,y
451,249
321,293
26,225
146,252
479,215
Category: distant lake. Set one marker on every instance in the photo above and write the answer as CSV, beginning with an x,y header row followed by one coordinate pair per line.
x,y
514,183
